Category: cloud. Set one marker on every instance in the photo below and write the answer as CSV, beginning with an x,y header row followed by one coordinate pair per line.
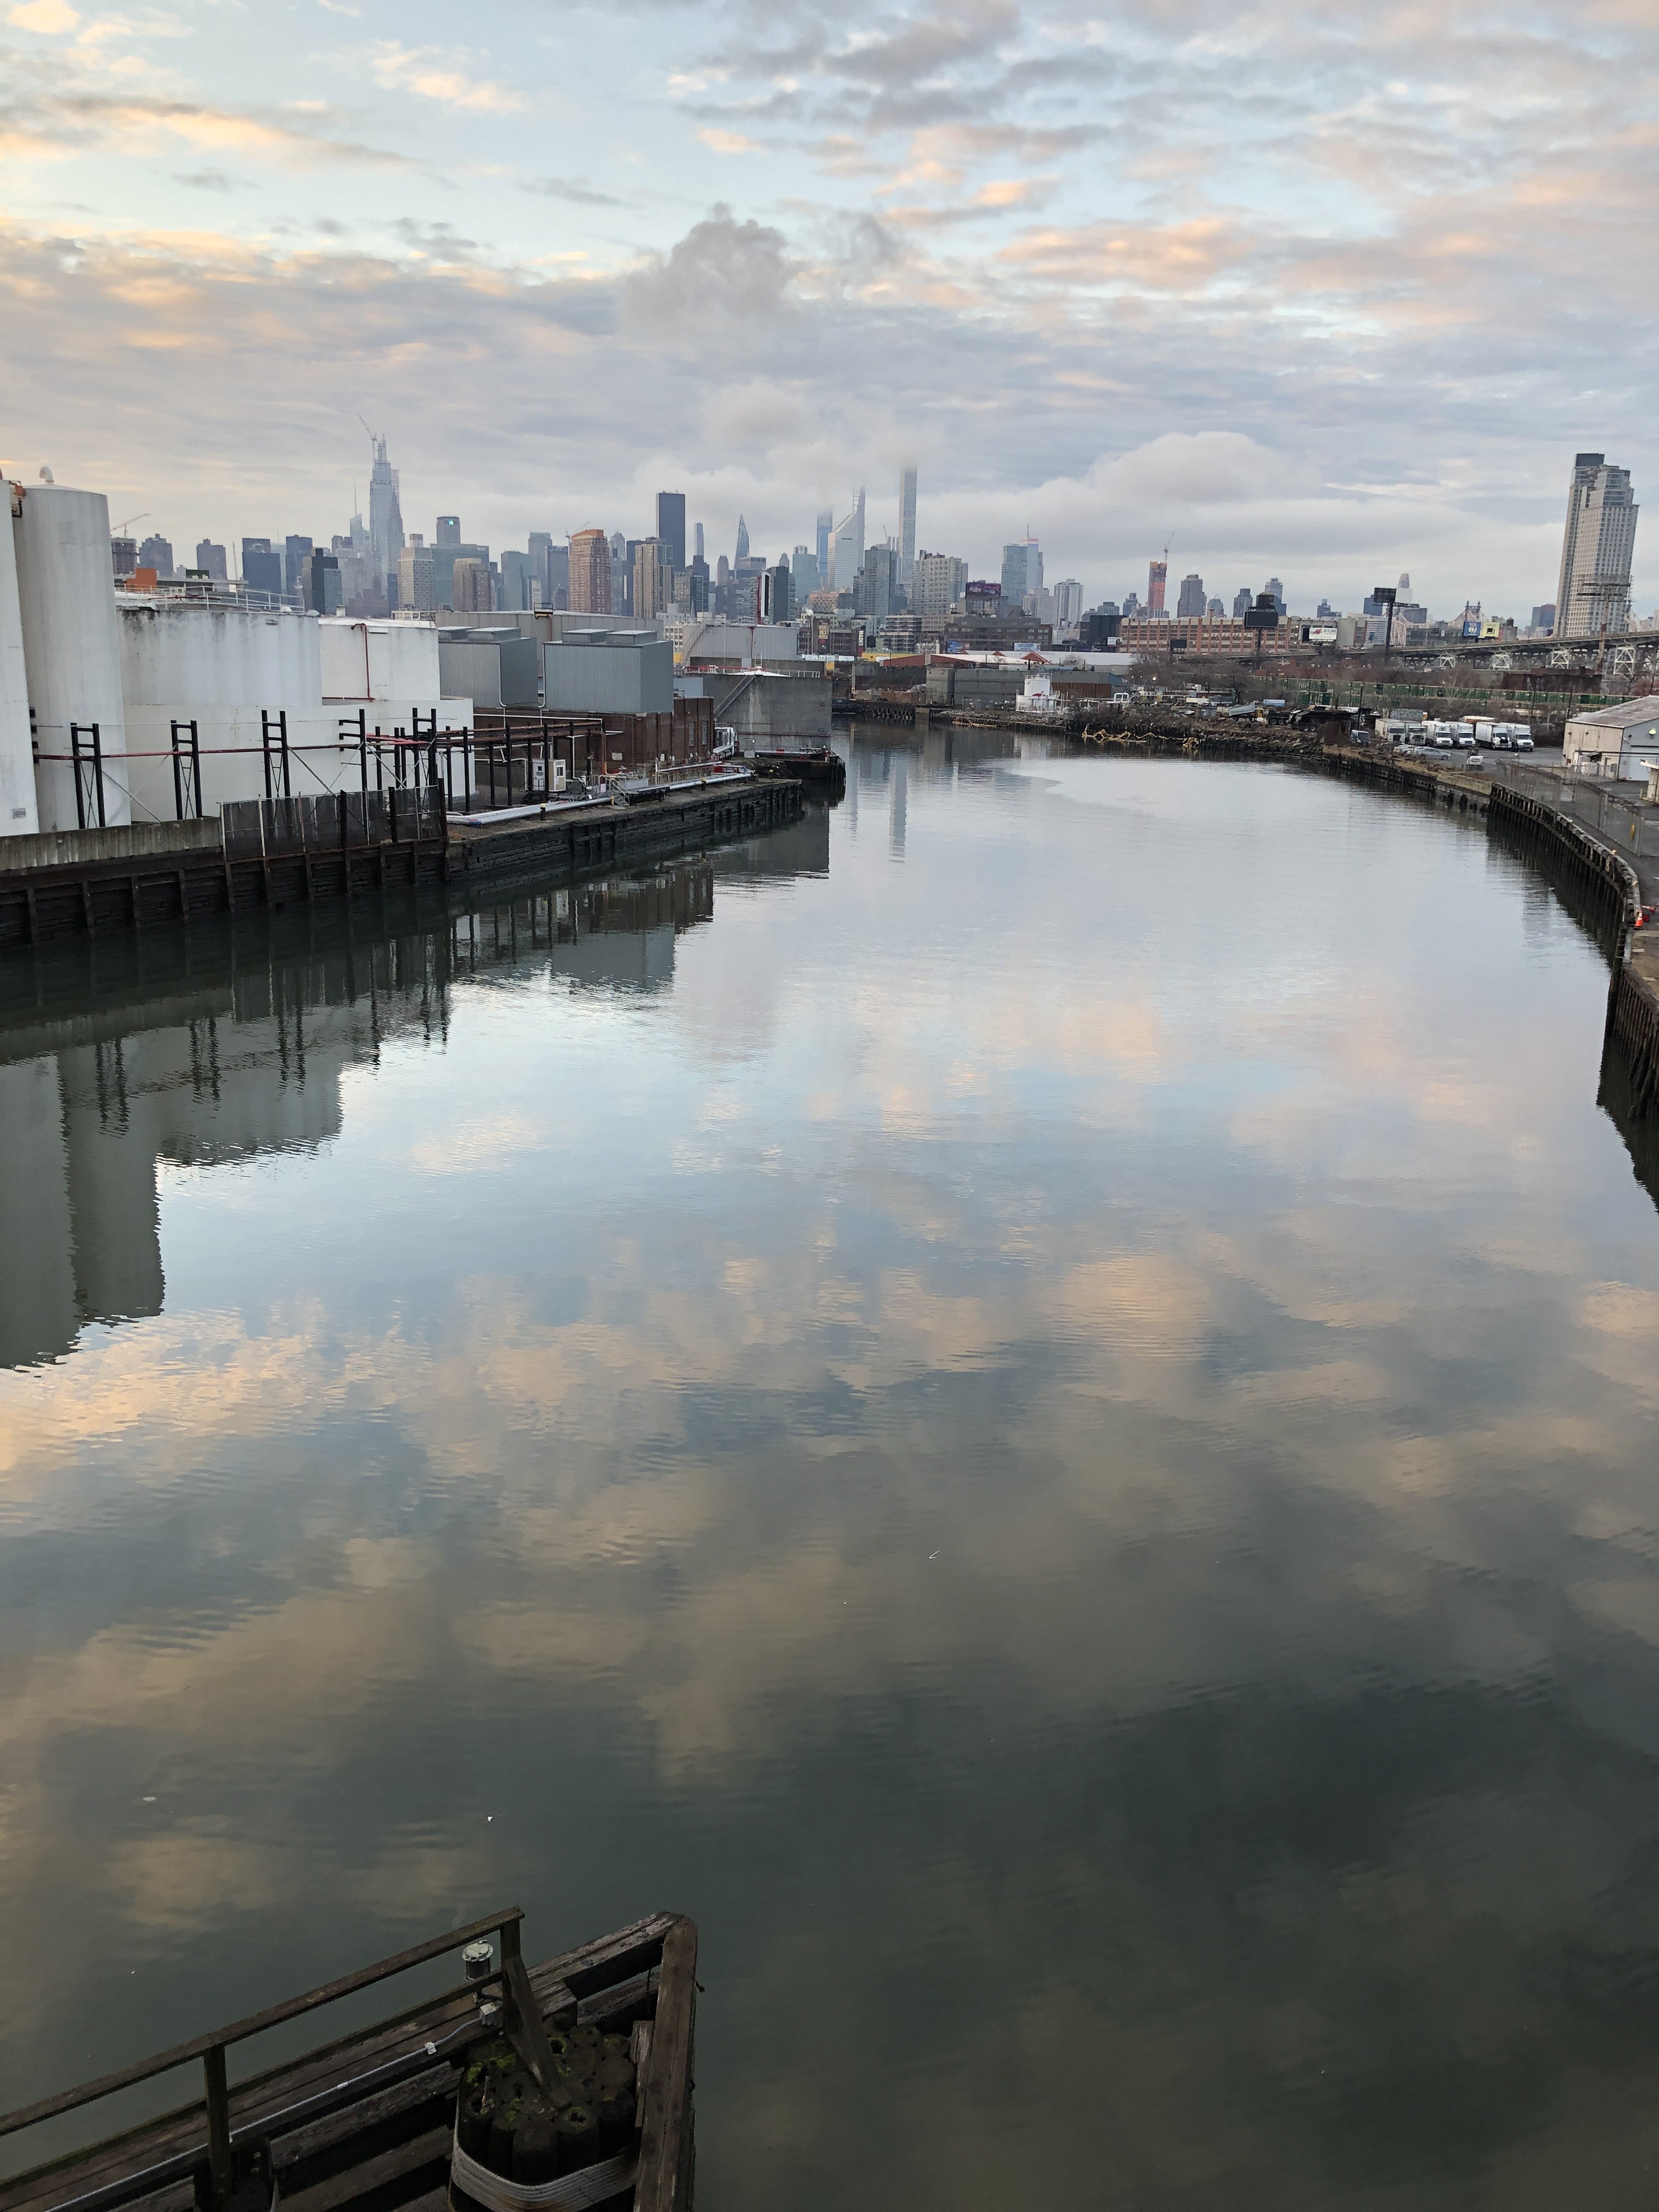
x,y
429,72
571,189
48,18
728,142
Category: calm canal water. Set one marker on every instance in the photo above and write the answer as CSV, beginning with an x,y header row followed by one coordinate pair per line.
x,y
1036,1400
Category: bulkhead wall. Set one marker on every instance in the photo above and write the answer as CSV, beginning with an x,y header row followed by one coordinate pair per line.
x,y
71,647
19,813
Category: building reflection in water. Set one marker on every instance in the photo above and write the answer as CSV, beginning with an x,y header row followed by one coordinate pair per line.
x,y
206,1048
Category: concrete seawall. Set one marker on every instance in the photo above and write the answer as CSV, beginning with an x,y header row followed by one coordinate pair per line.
x,y
1611,895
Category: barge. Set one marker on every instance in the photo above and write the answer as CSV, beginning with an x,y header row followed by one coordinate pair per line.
x,y
548,2089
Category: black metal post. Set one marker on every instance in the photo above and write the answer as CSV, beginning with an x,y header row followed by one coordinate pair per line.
x,y
282,725
362,744
74,759
177,781
265,745
97,772
196,766
218,2120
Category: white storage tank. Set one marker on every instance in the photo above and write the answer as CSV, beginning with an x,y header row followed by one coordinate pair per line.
x,y
71,648
19,816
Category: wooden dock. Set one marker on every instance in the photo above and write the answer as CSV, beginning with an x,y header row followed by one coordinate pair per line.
x,y
369,2122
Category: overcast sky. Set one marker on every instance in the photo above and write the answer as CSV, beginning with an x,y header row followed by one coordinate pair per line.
x,y
1328,293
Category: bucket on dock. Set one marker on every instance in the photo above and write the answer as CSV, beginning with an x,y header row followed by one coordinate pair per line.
x,y
519,2147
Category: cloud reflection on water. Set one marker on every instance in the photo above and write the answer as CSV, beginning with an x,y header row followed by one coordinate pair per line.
x,y
1064,1479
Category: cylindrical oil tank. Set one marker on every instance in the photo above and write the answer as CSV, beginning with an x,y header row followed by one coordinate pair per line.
x,y
72,652
18,814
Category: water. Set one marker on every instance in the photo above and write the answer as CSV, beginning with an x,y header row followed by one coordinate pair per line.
x,y
1035,1400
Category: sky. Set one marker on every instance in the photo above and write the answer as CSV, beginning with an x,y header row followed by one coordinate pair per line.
x,y
1328,294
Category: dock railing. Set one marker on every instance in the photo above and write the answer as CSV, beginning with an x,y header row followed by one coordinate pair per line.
x,y
216,2155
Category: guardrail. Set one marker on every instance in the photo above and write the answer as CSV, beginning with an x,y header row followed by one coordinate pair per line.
x,y
520,2010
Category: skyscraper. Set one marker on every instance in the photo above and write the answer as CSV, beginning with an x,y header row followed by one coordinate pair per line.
x,y
1275,591
848,557
1158,575
826,525
653,575
386,518
415,578
1594,590
907,523
1022,572
876,581
743,542
590,573
803,574
212,558
701,554
1191,601
671,526
449,530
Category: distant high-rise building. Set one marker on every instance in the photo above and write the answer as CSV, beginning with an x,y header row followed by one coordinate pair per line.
x,y
1068,603
777,599
1243,600
670,525
470,591
1275,591
1158,575
1216,609
262,566
320,582
156,553
877,583
652,579
415,578
295,553
804,574
1022,572
847,555
826,525
540,545
906,547
449,530
1191,600
385,516
1543,619
938,585
722,572
519,581
743,539
699,578
123,555
590,573
1325,612
700,553
1594,590
622,575
212,558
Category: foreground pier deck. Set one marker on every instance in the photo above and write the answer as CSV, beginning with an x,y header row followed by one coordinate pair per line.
x,y
368,2121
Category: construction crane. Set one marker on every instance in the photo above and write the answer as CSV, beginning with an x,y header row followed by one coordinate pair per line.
x,y
121,529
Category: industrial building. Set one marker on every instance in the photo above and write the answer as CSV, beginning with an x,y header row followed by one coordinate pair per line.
x,y
102,691
1620,741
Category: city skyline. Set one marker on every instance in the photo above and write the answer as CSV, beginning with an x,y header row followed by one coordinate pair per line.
x,y
760,249
675,526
